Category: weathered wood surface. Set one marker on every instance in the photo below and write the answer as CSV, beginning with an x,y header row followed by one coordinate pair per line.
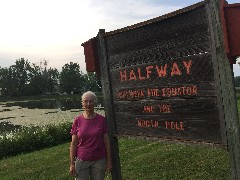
x,y
108,104
171,79
229,118
163,80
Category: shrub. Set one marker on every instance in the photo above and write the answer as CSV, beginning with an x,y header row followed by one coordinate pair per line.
x,y
34,138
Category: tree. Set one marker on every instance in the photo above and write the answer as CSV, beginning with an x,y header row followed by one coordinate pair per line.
x,y
18,77
5,81
24,79
52,80
9,81
92,82
43,80
71,79
35,87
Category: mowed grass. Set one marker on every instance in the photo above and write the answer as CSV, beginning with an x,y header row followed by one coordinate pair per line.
x,y
140,160
50,163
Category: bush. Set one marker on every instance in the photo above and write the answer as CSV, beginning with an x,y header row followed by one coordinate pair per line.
x,y
34,138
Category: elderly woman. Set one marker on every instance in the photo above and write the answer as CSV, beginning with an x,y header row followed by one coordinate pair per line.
x,y
90,154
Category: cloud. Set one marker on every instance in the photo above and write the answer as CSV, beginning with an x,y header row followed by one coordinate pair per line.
x,y
55,29
118,14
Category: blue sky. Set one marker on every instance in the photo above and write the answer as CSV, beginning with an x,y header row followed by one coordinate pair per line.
x,y
54,30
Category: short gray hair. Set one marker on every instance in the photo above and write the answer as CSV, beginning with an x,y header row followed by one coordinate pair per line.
x,y
90,93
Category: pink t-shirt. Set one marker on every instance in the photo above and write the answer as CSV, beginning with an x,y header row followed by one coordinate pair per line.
x,y
90,133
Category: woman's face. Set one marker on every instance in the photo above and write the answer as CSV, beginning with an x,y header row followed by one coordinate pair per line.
x,y
88,102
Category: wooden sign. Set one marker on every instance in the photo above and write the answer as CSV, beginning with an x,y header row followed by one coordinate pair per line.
x,y
162,79
170,78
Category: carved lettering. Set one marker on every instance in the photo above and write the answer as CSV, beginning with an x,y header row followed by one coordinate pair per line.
x,y
136,93
176,69
132,75
153,92
174,125
140,77
123,75
171,125
148,109
165,108
188,65
148,123
161,71
178,91
148,71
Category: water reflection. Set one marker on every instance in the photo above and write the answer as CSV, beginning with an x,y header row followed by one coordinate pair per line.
x,y
2,110
5,118
63,104
60,104
24,113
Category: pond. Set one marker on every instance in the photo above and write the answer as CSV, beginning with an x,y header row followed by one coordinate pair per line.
x,y
14,115
62,104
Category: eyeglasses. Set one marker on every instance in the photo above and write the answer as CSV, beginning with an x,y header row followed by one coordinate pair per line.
x,y
87,102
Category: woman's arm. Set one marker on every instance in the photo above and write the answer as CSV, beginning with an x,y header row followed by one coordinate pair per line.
x,y
73,154
108,150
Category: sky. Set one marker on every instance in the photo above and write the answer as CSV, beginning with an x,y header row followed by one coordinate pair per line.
x,y
53,30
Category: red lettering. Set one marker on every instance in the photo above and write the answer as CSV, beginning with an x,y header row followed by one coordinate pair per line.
x,y
194,90
136,93
165,108
132,75
161,71
139,75
153,92
123,77
178,91
122,94
187,66
148,109
148,71
175,69
174,125
148,123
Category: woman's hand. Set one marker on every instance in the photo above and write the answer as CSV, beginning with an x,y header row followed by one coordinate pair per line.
x,y
72,170
109,166
73,152
108,149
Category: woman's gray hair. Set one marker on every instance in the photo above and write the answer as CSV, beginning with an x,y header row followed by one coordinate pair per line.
x,y
90,93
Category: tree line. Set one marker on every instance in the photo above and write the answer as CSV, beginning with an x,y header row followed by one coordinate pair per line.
x,y
25,79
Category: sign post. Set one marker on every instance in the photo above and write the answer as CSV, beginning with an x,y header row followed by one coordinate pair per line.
x,y
226,91
108,105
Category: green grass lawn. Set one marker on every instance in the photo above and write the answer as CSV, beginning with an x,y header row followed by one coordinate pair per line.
x,y
140,160
50,163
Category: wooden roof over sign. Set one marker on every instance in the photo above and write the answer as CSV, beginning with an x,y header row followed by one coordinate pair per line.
x,y
230,23
159,18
